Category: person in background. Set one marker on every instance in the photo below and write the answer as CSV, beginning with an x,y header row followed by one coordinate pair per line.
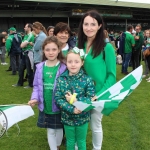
x,y
50,31
106,36
136,54
129,44
13,48
27,57
44,87
112,38
99,63
41,33
62,33
146,53
72,41
2,47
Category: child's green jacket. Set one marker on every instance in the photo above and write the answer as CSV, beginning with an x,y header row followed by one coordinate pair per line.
x,y
81,84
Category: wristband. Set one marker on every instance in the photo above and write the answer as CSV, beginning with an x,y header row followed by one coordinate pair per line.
x,y
72,98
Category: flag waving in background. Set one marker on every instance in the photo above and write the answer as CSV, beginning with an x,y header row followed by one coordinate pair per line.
x,y
12,114
109,100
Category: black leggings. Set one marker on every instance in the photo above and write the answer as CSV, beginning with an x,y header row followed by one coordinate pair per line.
x,y
148,61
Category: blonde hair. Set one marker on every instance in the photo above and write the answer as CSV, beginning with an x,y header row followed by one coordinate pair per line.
x,y
71,51
39,25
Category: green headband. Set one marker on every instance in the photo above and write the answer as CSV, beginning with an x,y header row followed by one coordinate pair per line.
x,y
79,51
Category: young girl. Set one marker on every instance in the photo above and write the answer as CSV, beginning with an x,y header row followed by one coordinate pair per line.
x,y
74,82
44,89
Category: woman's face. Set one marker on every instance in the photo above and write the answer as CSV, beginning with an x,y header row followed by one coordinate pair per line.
x,y
50,32
147,34
90,27
62,36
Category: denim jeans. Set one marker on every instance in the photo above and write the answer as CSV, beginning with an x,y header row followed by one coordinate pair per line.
x,y
25,64
126,60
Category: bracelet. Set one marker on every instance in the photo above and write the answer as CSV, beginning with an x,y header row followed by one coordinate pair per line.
x,y
72,98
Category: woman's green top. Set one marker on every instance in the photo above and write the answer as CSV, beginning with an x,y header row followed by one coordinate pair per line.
x,y
101,69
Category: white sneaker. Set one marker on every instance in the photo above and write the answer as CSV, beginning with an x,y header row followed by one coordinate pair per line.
x,y
148,79
5,63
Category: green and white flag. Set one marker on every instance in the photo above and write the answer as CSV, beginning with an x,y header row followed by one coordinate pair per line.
x,y
109,100
12,114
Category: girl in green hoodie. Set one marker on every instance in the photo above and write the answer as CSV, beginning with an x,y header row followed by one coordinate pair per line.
x,y
74,80
100,64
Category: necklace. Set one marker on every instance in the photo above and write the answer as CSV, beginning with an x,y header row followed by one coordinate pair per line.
x,y
51,72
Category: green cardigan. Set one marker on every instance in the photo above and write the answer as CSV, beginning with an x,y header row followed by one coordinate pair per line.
x,y
102,70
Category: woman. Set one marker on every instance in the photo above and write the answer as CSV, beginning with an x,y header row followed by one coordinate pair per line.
x,y
50,31
62,33
102,61
41,33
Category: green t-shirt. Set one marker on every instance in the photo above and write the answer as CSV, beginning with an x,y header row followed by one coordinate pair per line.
x,y
129,41
102,71
49,75
29,38
65,52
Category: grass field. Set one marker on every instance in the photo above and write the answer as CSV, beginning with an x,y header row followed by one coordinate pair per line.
x,y
127,128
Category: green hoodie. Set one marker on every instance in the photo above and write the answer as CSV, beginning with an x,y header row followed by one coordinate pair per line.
x,y
80,84
102,70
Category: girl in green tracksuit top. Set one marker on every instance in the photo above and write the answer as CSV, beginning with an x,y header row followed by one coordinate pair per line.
x,y
74,80
100,64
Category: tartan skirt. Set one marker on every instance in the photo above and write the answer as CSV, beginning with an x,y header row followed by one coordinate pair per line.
x,y
52,121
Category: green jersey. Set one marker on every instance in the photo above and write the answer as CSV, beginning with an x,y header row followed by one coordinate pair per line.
x,y
49,75
129,41
28,38
65,50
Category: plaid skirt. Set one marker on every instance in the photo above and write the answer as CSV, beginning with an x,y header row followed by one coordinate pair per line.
x,y
52,121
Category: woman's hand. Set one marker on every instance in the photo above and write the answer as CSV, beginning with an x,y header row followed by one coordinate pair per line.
x,y
32,102
77,111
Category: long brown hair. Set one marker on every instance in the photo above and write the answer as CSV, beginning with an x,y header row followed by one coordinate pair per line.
x,y
98,43
53,39
39,25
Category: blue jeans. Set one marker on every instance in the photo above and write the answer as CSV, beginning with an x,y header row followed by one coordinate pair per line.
x,y
126,60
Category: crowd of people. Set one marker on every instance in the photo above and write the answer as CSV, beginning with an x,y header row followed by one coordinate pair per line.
x,y
132,47
63,67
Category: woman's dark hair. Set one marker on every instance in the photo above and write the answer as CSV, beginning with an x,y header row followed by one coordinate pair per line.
x,y
98,43
53,39
50,27
60,27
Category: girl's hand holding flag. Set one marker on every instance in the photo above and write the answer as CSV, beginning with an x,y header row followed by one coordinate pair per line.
x,y
32,102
